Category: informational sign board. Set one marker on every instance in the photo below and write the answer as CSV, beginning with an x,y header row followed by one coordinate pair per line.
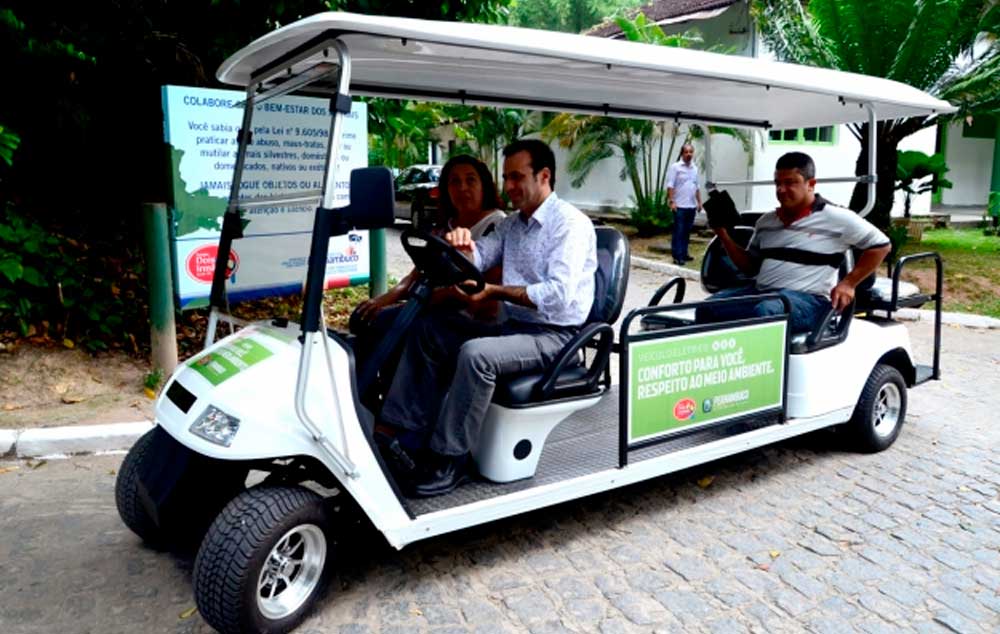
x,y
286,158
678,383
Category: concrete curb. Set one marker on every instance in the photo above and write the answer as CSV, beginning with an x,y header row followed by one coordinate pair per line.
x,y
954,319
664,267
48,441
8,438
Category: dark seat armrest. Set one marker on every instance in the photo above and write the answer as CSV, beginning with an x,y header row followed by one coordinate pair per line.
x,y
817,339
681,285
938,278
549,385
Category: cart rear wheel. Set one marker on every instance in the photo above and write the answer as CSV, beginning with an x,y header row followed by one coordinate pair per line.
x,y
879,414
127,497
263,562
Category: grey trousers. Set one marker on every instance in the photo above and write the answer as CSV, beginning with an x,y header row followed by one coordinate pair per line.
x,y
448,371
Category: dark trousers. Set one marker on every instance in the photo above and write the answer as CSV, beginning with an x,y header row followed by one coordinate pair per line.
x,y
806,309
683,222
448,371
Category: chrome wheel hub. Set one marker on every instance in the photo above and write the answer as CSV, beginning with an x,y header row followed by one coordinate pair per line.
x,y
888,404
291,572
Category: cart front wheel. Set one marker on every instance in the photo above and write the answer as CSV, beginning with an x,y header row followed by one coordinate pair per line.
x,y
127,496
879,414
263,562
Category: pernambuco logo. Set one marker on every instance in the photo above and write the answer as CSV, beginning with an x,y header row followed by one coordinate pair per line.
x,y
684,409
201,263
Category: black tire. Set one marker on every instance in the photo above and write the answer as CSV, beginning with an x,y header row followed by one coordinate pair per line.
x,y
238,548
878,417
127,499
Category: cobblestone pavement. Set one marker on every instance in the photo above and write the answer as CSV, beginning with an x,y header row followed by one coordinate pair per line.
x,y
802,536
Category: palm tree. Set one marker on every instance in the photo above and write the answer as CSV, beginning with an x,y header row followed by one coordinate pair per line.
x,y
948,48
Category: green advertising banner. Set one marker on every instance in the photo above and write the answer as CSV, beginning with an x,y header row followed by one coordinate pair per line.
x,y
229,360
692,380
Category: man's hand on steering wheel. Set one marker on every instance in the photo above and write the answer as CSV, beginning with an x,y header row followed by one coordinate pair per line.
x,y
442,263
461,239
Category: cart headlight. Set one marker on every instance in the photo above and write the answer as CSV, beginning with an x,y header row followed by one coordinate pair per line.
x,y
216,426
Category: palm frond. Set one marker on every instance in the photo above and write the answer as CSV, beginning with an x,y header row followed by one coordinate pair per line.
x,y
792,35
941,31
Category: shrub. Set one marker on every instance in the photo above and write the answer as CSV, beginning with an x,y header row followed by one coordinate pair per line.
x,y
55,287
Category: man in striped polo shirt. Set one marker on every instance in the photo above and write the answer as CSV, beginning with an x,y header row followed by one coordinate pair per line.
x,y
797,249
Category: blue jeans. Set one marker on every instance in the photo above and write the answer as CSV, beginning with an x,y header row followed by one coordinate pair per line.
x,y
807,309
683,221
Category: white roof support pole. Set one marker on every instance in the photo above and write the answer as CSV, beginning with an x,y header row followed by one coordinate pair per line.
x,y
338,455
333,150
872,176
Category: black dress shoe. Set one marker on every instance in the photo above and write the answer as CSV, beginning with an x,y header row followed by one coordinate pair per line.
x,y
445,474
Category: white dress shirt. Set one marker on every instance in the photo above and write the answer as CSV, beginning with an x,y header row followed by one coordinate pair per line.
x,y
553,254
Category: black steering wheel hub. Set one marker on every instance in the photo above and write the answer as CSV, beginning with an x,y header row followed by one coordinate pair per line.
x,y
440,263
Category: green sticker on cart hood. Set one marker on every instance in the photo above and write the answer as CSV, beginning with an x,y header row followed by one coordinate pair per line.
x,y
227,361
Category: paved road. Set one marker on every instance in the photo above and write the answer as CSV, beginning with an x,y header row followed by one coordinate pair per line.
x,y
802,536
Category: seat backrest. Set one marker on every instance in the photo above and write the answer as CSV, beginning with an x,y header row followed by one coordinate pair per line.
x,y
717,270
611,276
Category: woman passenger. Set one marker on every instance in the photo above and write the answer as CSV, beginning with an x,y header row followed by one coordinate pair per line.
x,y
468,199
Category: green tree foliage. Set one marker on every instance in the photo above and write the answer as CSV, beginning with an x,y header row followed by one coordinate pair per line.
x,y
484,132
570,16
399,131
8,145
84,100
946,47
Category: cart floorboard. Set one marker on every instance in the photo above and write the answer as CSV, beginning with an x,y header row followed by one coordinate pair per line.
x,y
584,443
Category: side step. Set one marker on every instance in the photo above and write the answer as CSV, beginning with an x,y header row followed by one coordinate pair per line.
x,y
923,373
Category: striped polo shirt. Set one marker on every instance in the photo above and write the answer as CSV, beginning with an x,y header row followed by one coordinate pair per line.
x,y
805,255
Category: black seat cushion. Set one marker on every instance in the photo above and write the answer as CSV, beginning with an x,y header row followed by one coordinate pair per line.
x,y
519,389
610,281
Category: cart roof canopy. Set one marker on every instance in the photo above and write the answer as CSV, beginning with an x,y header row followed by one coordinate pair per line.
x,y
508,66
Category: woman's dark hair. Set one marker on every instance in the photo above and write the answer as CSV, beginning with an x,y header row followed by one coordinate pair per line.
x,y
490,199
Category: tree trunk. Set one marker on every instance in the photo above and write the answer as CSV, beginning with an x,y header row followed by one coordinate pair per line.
x,y
885,168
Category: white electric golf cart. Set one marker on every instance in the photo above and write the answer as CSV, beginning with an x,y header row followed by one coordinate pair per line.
x,y
277,403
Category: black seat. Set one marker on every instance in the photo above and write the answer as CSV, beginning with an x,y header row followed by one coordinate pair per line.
x,y
570,376
719,272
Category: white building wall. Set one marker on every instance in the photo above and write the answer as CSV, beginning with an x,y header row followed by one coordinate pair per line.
x,y
971,163
832,161
605,191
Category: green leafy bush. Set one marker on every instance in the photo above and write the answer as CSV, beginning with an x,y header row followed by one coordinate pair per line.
x,y
54,287
651,215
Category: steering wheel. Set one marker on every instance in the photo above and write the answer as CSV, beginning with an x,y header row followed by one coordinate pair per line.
x,y
439,262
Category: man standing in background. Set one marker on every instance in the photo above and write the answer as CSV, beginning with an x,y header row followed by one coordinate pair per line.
x,y
685,201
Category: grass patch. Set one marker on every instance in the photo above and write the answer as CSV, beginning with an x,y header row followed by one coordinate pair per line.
x,y
971,240
971,269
